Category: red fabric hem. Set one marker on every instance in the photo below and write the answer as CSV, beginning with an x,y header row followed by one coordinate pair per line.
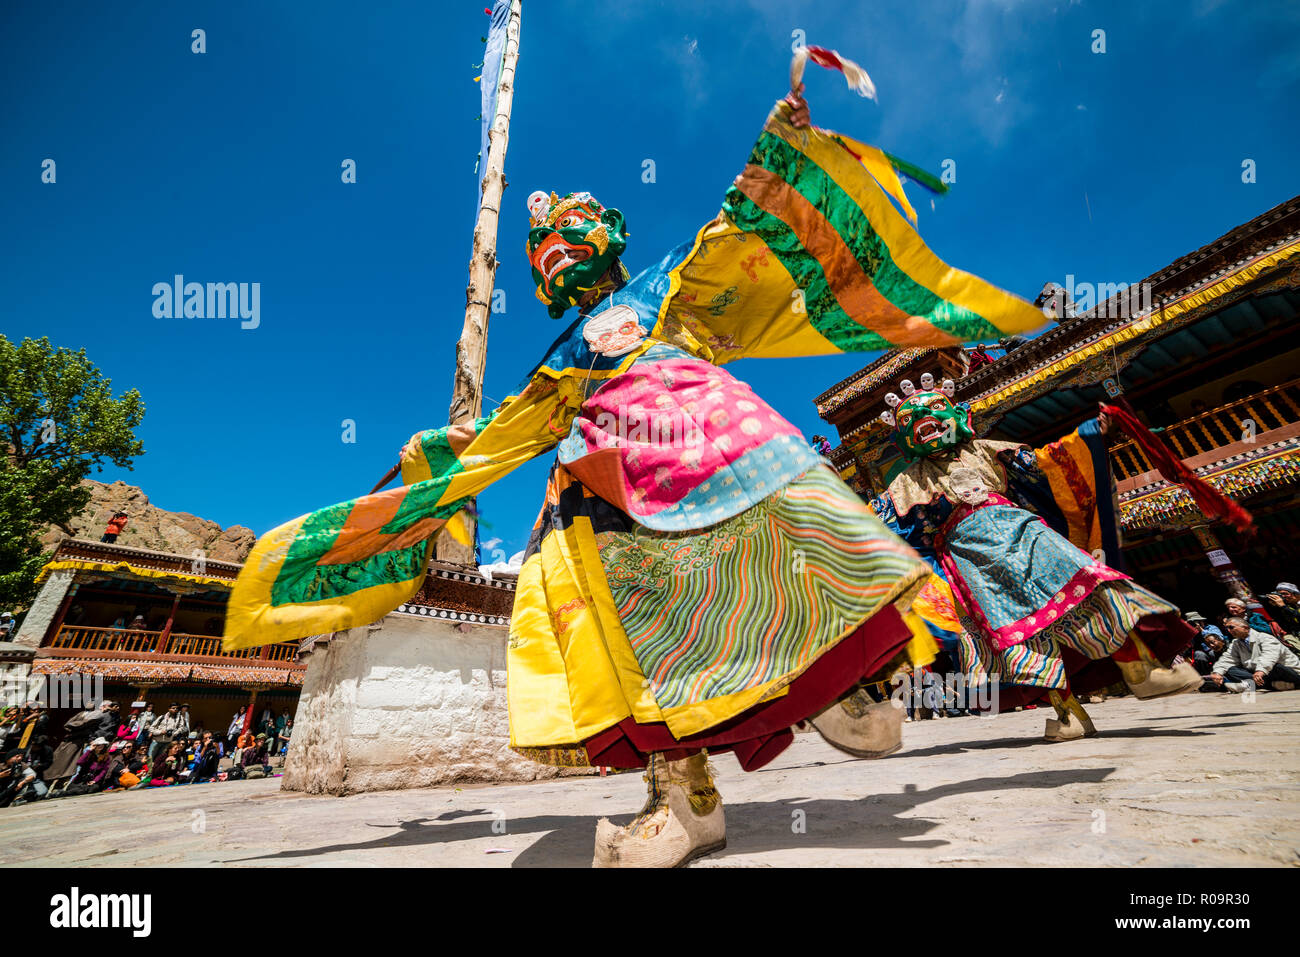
x,y
758,735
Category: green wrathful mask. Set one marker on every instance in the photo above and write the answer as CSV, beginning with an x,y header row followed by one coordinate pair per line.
x,y
572,244
928,423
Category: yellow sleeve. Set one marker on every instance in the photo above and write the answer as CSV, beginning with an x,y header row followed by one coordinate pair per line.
x,y
352,563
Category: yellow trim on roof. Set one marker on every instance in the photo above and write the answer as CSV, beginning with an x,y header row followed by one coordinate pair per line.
x,y
89,566
1140,326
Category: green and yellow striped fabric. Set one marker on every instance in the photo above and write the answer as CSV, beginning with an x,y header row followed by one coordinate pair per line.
x,y
810,257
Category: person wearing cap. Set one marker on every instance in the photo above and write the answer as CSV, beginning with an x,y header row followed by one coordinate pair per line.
x,y
6,625
1209,642
1284,606
115,526
256,757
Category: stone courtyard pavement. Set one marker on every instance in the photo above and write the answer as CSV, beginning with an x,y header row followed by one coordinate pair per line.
x,y
1186,781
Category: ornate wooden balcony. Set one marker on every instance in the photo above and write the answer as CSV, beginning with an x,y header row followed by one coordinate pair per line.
x,y
73,637
135,656
1267,415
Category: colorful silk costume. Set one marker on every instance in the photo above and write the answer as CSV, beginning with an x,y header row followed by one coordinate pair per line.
x,y
697,576
1022,589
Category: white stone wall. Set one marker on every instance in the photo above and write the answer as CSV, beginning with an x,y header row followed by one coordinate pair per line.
x,y
411,702
45,607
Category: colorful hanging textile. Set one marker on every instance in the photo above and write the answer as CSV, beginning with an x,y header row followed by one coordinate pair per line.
x,y
1213,504
490,80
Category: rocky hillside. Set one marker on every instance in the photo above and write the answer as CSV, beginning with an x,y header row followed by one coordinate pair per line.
x,y
152,527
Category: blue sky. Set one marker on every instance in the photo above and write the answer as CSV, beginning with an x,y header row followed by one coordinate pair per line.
x,y
225,167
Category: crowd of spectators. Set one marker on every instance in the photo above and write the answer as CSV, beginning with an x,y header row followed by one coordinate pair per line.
x,y
1250,648
103,750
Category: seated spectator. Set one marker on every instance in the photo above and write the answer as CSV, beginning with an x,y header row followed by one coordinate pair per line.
x,y
166,770
6,625
128,767
255,753
92,770
1212,648
206,758
1237,609
1207,645
254,759
15,776
1254,659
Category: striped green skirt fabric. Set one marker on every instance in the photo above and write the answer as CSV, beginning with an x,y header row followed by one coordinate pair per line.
x,y
750,600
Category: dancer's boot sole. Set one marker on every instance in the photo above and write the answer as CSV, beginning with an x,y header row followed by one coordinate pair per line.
x,y
866,755
704,851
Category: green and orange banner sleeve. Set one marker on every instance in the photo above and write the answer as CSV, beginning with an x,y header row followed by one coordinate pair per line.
x,y
352,563
810,257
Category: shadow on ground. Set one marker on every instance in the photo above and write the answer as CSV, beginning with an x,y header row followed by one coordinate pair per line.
x,y
872,822
1034,740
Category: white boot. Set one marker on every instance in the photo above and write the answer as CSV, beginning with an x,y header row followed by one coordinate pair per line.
x,y
1071,722
1160,682
682,819
1069,728
861,727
